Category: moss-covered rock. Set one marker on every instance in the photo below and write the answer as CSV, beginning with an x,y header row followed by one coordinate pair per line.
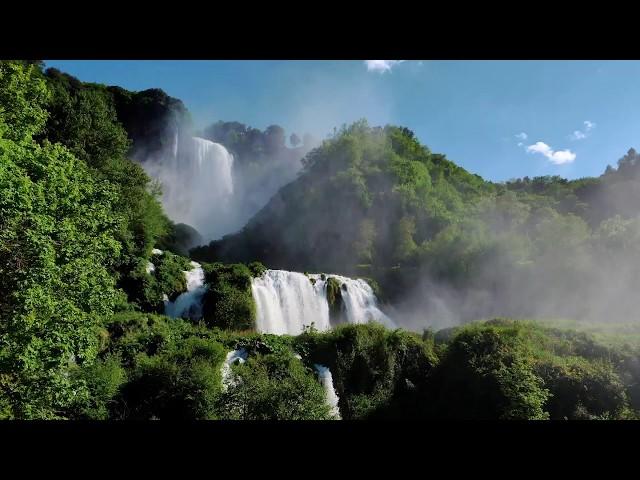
x,y
334,298
228,303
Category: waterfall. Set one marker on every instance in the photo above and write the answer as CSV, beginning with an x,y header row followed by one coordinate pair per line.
x,y
360,302
286,302
197,184
189,303
331,397
228,378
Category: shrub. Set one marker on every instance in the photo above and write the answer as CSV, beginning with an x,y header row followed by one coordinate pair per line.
x,y
103,380
275,386
376,372
583,390
228,303
181,383
486,373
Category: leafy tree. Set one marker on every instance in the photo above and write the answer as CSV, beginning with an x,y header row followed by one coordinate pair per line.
x,y
57,245
22,94
275,386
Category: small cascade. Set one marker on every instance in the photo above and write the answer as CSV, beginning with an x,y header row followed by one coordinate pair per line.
x,y
331,397
361,303
189,303
228,378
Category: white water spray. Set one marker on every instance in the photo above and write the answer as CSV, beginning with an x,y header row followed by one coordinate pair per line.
x,y
197,184
331,397
360,302
228,378
189,303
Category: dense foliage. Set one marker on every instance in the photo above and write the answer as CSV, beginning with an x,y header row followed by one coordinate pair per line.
x,y
152,367
58,246
228,303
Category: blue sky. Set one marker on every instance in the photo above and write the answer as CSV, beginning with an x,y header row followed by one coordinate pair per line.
x,y
578,116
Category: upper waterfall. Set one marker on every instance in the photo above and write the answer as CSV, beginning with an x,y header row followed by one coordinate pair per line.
x,y
196,176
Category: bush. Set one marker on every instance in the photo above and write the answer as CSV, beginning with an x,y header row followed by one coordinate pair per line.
x,y
257,269
228,303
147,290
181,383
103,380
376,372
131,334
583,390
275,386
486,373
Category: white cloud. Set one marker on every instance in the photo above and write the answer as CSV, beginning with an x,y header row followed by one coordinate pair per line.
x,y
522,136
381,66
581,134
577,135
557,157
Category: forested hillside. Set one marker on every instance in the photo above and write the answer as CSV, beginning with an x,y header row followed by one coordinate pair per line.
x,y
375,202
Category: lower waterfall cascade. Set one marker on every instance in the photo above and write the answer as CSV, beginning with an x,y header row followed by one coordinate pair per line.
x,y
331,397
287,302
228,378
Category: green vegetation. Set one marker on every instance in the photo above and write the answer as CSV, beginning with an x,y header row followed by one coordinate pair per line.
x,y
275,386
147,290
334,298
58,247
228,303
376,372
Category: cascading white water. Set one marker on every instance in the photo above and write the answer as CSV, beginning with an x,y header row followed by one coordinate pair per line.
x,y
228,378
197,184
286,302
331,397
189,303
360,302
